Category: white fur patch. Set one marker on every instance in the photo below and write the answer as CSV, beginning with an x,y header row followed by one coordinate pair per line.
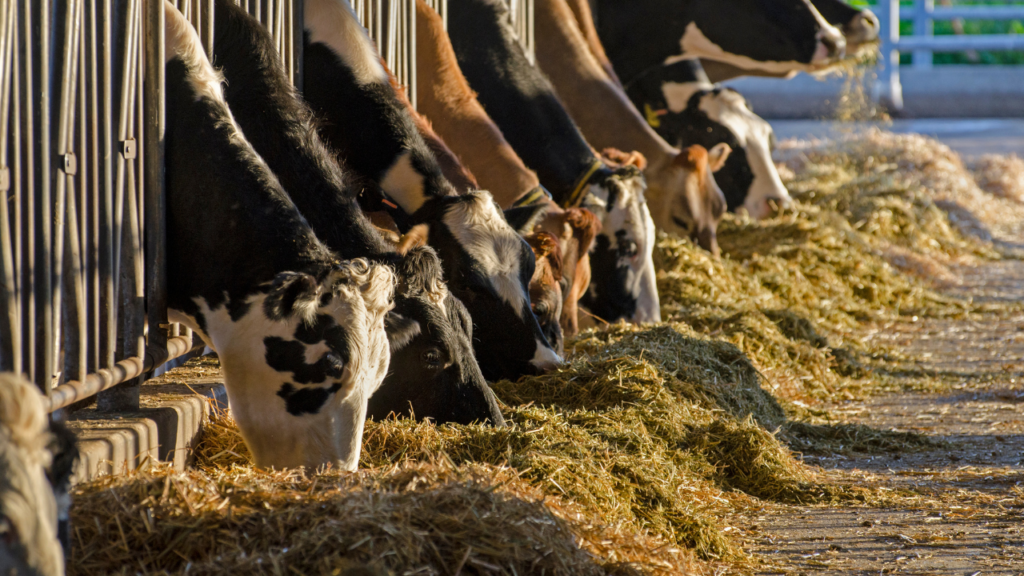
x,y
334,24
630,213
404,184
677,94
696,45
482,231
754,135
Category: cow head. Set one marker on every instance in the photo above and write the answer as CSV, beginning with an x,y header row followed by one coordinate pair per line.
x,y
29,507
685,198
434,372
859,27
301,358
708,117
547,284
622,260
488,267
774,36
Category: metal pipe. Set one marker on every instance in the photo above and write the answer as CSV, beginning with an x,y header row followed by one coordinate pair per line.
x,y
106,378
155,217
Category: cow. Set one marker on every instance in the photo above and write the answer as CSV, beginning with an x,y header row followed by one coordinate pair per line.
x,y
487,265
300,334
36,461
608,119
775,36
523,104
685,108
429,344
444,96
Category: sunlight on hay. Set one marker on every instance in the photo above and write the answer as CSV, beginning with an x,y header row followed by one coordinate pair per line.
x,y
1001,175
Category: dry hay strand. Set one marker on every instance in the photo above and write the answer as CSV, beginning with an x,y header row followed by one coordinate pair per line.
x,y
415,518
902,189
1000,175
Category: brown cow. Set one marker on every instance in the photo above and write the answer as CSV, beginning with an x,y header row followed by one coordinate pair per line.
x,y
608,119
446,99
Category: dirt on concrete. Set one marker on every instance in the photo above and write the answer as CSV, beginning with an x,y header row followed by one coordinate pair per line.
x,y
953,509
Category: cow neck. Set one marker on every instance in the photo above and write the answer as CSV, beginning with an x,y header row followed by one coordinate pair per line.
x,y
225,206
518,97
444,96
281,129
599,106
365,119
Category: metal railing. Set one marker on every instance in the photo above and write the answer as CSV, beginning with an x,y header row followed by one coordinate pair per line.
x,y
83,303
923,43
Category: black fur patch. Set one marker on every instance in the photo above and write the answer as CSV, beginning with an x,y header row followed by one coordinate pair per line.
x,y
290,356
306,400
609,299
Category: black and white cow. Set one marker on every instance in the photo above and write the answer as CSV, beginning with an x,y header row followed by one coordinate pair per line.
x,y
434,372
487,265
685,108
860,28
522,102
36,461
300,334
777,36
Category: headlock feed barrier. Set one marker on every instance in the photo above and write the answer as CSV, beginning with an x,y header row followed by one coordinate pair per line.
x,y
83,307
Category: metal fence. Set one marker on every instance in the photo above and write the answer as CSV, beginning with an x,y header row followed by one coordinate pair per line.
x,y
923,43
82,214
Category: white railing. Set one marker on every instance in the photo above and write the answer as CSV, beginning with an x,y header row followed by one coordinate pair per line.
x,y
923,43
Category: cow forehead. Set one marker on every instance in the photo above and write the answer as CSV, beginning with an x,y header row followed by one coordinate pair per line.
x,y
483,233
729,109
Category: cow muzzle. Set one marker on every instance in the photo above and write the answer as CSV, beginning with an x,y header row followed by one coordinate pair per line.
x,y
863,29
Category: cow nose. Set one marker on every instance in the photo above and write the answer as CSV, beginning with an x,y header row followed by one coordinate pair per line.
x,y
545,359
863,28
831,45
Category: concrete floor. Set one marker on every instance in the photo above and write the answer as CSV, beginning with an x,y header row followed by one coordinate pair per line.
x,y
969,137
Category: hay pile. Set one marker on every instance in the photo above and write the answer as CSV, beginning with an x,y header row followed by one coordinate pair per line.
x,y
1002,176
904,190
636,447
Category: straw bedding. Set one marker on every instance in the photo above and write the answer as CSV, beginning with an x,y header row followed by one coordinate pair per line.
x,y
624,460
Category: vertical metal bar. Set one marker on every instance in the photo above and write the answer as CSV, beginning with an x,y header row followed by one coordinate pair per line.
x,y
923,26
208,26
108,227
411,52
21,165
888,90
42,209
65,177
298,31
155,216
93,200
10,329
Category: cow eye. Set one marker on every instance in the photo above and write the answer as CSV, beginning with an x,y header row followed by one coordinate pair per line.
x,y
628,247
432,358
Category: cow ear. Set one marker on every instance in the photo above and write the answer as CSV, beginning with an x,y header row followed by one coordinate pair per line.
x,y
292,293
414,238
718,155
401,330
523,219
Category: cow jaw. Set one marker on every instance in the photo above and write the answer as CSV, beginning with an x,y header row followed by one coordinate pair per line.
x,y
291,412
